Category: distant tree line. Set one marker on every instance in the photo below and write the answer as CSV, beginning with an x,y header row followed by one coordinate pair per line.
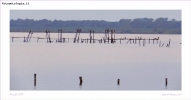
x,y
138,25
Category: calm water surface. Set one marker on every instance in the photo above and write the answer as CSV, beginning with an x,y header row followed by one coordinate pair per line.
x,y
59,65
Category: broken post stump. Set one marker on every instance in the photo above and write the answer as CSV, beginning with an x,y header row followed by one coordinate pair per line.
x,y
118,81
80,80
166,82
34,79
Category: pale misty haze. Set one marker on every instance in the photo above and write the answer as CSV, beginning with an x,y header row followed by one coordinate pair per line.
x,y
107,15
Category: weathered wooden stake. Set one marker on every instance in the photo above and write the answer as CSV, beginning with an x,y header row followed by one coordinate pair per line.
x,y
30,35
90,36
120,40
12,39
108,39
118,81
166,82
169,43
80,80
61,36
162,44
143,42
135,40
149,40
93,37
24,39
34,79
58,34
37,39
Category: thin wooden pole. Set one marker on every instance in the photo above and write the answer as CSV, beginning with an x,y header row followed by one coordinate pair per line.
x,y
93,37
149,40
79,34
169,43
162,44
118,81
58,35
166,82
61,35
90,36
24,39
34,79
37,39
135,40
80,80
30,35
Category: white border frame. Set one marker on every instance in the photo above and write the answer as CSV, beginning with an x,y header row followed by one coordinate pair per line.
x,y
96,5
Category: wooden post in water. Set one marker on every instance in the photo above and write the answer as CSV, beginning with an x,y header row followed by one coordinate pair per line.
x,y
37,39
108,35
12,39
114,35
34,79
80,80
149,40
143,42
166,82
79,34
162,44
76,36
90,36
58,35
111,36
24,39
169,43
105,33
61,35
118,81
135,40
93,37
30,35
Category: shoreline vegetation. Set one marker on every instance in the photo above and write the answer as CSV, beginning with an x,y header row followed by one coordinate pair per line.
x,y
123,26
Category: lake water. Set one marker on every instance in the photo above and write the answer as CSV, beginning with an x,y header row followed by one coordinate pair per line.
x,y
58,66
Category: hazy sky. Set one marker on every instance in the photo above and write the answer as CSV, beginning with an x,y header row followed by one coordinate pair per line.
x,y
108,15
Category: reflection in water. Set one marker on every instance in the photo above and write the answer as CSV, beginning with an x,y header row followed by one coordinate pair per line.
x,y
101,65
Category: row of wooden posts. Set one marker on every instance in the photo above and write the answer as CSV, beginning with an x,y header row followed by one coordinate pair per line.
x,y
109,37
81,81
